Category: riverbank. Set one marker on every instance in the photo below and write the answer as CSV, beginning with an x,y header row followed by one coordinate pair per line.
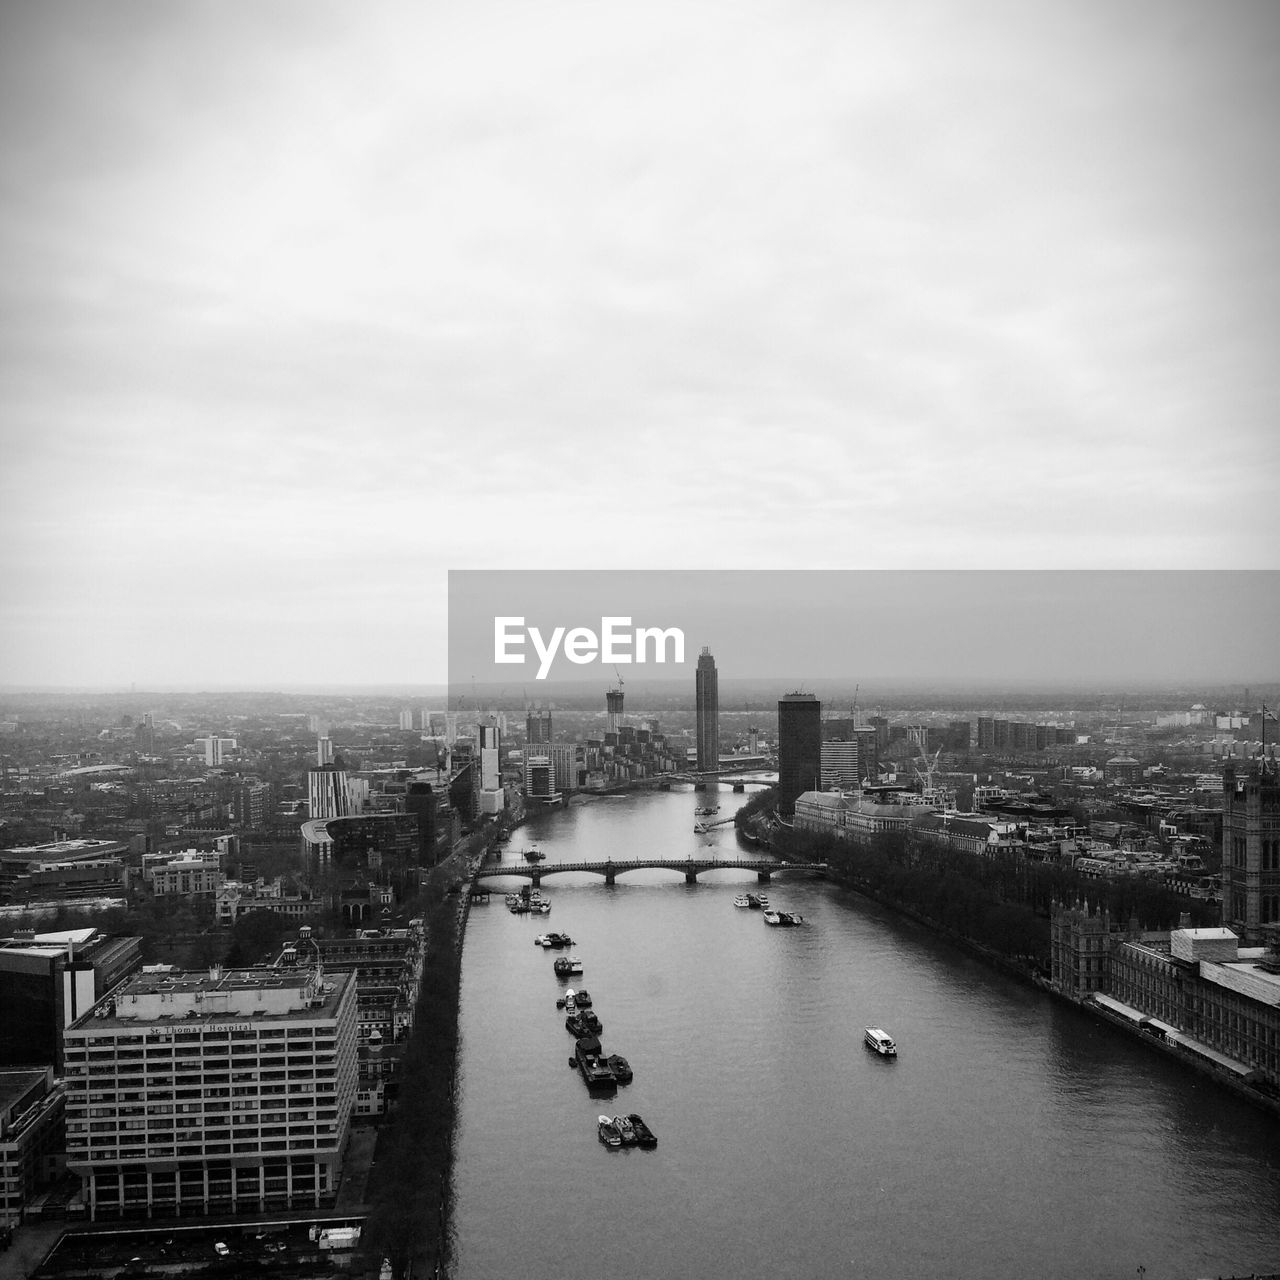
x,y
1035,976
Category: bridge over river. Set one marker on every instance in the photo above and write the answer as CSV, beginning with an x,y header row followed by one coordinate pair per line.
x,y
691,868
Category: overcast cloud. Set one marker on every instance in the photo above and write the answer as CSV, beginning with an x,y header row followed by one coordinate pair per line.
x,y
303,304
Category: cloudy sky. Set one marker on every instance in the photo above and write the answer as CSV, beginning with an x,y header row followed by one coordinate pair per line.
x,y
304,304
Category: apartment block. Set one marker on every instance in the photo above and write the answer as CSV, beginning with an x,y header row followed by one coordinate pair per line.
x,y
218,1092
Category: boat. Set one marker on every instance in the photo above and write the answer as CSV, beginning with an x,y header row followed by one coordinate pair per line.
x,y
620,1067
540,908
755,902
584,999
608,1132
566,965
583,1023
570,1002
543,940
534,855
762,900
626,1130
783,919
742,900
644,1135
596,1072
707,810
881,1042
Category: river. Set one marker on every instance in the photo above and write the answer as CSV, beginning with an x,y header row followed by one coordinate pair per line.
x,y
1014,1136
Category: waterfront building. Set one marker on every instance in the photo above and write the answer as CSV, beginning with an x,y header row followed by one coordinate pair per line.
x,y
491,798
613,708
219,1092
707,699
32,1138
537,726
540,778
1251,848
1197,989
799,748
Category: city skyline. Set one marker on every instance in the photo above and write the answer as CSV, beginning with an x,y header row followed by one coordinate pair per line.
x,y
305,306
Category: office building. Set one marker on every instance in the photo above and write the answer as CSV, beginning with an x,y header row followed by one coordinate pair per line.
x,y
218,1092
613,707
840,765
707,694
799,748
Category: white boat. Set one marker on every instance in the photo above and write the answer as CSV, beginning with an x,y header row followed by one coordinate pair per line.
x,y
881,1042
742,900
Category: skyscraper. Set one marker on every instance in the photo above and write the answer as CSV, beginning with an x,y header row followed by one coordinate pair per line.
x,y
799,748
537,725
707,692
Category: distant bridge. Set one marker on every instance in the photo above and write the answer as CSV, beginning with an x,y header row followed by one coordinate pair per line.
x,y
691,868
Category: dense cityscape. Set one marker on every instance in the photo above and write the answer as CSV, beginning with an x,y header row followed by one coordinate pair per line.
x,y
217,908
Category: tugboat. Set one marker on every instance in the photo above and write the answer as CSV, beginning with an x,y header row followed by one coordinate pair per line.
x,y
566,966
626,1131
596,1072
621,1068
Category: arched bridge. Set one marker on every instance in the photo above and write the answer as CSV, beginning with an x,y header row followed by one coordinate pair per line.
x,y
611,869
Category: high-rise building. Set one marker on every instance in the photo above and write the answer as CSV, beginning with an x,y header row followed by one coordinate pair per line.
x,y
707,694
491,799
213,1092
328,795
324,752
613,705
840,765
537,726
406,720
799,748
1251,850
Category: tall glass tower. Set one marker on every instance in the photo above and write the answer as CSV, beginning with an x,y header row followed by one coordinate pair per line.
x,y
708,700
799,748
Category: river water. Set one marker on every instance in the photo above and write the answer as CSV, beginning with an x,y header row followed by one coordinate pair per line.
x,y
1013,1136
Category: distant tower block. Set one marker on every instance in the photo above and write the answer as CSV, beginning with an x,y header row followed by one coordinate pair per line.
x,y
613,702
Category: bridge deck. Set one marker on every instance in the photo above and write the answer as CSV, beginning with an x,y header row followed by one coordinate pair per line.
x,y
689,867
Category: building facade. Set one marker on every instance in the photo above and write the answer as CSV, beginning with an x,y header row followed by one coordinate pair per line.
x,y
799,748
214,1092
706,685
1251,849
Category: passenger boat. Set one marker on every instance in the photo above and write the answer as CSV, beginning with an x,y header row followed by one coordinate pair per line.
x,y
534,855
644,1135
565,966
608,1132
881,1042
742,900
626,1130
621,1068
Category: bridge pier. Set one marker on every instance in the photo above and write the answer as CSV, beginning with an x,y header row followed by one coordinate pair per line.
x,y
537,878
691,877
763,877
699,786
610,875
739,786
